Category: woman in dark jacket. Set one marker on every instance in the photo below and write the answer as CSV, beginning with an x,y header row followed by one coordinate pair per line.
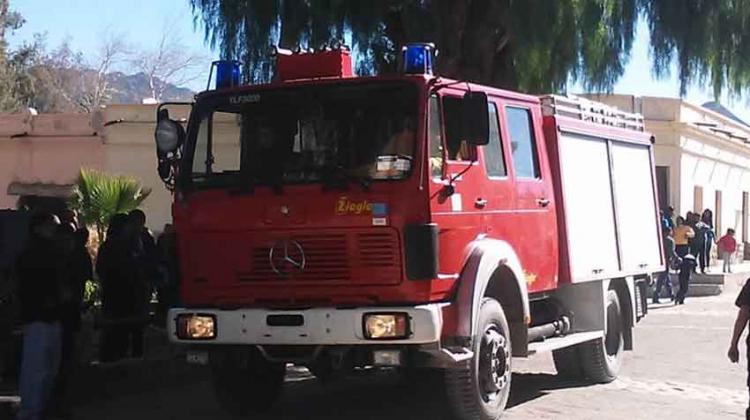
x,y
114,267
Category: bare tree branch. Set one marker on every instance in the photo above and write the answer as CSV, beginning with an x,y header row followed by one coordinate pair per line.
x,y
170,62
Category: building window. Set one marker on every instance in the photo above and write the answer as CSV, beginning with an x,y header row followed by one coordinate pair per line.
x,y
744,216
698,199
717,212
662,186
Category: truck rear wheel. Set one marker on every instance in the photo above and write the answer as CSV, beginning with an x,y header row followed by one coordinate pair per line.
x,y
568,363
601,359
479,389
244,381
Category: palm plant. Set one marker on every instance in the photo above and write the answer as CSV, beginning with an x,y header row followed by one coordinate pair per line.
x,y
97,196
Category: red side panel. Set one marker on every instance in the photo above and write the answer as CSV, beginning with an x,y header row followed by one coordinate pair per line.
x,y
336,63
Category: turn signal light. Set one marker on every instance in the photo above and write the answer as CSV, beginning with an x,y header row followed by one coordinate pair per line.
x,y
196,326
386,326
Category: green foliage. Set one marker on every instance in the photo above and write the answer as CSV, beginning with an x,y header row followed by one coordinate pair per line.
x,y
98,196
531,45
709,40
92,294
534,45
16,84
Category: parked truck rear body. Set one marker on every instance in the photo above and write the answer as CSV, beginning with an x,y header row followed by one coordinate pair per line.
x,y
407,221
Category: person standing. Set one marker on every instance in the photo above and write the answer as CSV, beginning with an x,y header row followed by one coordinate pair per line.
x,y
682,235
743,316
727,247
708,218
167,290
145,256
113,267
666,218
78,270
687,265
39,269
671,257
698,244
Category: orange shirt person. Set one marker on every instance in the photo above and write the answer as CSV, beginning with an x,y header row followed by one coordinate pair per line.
x,y
682,235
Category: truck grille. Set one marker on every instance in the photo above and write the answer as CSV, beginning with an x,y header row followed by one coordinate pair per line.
x,y
356,257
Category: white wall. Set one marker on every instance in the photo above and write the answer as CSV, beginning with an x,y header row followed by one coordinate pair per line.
x,y
703,165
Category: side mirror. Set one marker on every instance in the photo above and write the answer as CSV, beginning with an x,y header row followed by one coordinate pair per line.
x,y
475,124
169,136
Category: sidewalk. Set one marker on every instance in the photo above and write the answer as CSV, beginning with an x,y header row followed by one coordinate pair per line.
x,y
713,282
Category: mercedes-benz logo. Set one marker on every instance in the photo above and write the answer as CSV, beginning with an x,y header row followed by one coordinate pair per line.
x,y
286,257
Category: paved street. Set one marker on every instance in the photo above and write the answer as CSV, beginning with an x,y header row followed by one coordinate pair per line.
x,y
678,371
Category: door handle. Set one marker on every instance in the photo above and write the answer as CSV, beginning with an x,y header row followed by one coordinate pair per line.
x,y
480,203
543,202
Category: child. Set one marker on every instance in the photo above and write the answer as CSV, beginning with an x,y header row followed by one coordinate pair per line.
x,y
727,247
687,265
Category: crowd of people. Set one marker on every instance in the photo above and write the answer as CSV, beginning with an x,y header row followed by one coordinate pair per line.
x,y
52,273
687,245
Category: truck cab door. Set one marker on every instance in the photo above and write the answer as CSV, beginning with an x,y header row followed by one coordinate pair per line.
x,y
453,167
535,224
499,189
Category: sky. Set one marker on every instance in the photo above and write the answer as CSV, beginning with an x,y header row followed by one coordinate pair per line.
x,y
84,22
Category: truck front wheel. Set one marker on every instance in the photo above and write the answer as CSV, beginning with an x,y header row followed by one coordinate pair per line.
x,y
479,389
244,381
601,359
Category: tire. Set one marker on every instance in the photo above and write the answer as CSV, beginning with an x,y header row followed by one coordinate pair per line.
x,y
473,392
244,382
568,363
601,359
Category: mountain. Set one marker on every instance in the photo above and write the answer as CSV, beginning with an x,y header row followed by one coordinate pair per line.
x,y
133,88
721,109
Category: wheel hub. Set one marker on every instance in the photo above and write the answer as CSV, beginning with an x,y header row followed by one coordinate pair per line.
x,y
493,362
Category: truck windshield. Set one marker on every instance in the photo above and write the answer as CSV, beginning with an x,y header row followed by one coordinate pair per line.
x,y
320,134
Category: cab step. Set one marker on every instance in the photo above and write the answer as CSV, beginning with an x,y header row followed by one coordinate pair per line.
x,y
555,343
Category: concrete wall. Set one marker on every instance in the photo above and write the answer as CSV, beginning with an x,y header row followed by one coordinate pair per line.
x,y
52,148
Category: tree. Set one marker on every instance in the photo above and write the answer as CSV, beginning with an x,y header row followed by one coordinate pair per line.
x,y
15,83
66,82
169,62
531,45
97,89
98,196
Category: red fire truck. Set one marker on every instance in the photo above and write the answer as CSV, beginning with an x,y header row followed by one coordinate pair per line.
x,y
410,221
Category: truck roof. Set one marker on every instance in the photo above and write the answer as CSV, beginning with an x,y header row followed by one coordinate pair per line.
x,y
435,80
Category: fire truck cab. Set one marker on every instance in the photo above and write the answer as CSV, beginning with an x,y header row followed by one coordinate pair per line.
x,y
408,221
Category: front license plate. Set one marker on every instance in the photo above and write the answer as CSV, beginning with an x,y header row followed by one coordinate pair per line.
x,y
197,357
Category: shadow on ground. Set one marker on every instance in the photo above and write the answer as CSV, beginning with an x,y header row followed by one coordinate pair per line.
x,y
391,396
365,395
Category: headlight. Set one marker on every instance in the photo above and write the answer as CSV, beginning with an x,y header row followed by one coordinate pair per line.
x,y
196,326
386,326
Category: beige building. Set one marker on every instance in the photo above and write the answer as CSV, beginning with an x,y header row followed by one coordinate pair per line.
x,y
702,158
41,155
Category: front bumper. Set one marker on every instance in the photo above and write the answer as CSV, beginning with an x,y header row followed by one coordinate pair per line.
x,y
321,326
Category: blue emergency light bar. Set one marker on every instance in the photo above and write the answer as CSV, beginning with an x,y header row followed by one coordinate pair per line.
x,y
227,73
418,58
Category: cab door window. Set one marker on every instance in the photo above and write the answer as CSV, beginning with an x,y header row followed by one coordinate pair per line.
x,y
523,143
435,136
494,159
